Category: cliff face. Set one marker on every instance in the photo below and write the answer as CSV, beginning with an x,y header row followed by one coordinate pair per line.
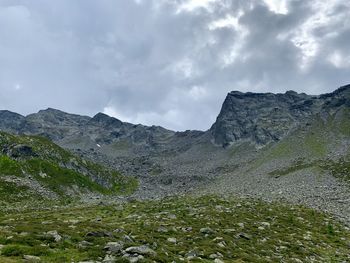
x,y
265,117
10,121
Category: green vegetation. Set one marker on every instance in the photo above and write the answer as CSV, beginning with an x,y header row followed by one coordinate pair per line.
x,y
57,169
311,144
58,179
12,193
9,166
177,228
341,121
339,168
296,166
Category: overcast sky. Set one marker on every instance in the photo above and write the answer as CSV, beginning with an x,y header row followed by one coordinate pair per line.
x,y
167,62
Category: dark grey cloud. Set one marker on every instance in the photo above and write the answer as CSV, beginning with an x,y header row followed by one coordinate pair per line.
x,y
167,62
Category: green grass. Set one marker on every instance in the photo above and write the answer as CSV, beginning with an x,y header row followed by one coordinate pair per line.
x,y
339,168
341,122
277,233
59,170
59,179
9,166
296,166
312,143
12,193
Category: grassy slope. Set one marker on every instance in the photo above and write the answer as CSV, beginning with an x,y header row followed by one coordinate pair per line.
x,y
309,147
276,233
57,169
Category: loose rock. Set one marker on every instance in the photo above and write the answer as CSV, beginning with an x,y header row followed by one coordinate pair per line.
x,y
141,250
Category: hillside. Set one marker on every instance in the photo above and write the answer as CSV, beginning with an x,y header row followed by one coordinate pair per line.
x,y
33,168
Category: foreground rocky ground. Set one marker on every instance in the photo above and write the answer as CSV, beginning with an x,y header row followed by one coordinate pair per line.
x,y
185,229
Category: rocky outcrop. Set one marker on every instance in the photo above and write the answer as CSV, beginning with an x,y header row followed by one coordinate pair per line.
x,y
265,117
10,121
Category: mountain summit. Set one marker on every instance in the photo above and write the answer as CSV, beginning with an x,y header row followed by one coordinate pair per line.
x,y
267,117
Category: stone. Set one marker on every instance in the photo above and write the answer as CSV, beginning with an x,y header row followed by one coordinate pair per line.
x,y
191,254
98,234
114,248
55,235
245,236
128,239
265,224
73,221
187,229
162,229
241,225
31,258
141,250
222,244
109,259
217,260
172,240
84,244
172,216
22,150
133,258
206,230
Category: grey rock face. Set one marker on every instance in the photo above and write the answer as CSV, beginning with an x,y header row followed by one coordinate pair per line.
x,y
21,150
10,121
114,247
265,117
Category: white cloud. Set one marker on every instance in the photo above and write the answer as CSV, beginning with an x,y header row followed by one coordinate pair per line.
x,y
191,5
339,60
198,93
304,37
277,6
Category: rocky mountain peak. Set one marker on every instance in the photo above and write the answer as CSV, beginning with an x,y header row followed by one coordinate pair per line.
x,y
261,117
10,121
51,111
9,115
105,120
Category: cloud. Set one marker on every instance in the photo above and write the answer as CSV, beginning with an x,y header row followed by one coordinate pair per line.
x,y
166,62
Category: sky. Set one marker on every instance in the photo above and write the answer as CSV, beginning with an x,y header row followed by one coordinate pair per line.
x,y
167,62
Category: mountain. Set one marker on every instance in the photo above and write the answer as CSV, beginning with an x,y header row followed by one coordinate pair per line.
x,y
253,188
257,117
256,146
267,117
